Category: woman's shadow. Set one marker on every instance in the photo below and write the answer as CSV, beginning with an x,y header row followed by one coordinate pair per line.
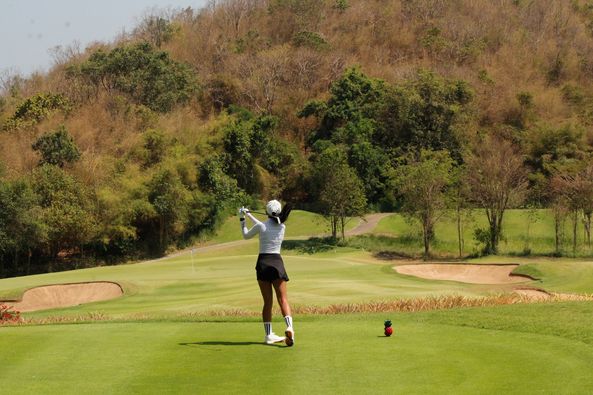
x,y
222,343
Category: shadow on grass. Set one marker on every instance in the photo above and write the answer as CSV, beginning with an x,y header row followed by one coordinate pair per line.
x,y
312,245
392,255
223,343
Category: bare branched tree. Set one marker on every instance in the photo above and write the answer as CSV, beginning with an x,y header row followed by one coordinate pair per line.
x,y
268,72
497,181
574,191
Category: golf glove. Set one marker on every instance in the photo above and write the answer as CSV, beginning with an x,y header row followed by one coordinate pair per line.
x,y
243,211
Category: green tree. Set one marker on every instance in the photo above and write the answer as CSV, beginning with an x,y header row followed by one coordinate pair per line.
x,y
237,144
549,150
145,75
66,210
170,200
221,192
424,113
354,97
422,181
155,146
342,196
348,119
37,108
21,228
57,148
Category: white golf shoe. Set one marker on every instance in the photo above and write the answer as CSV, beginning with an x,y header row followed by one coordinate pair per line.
x,y
273,338
289,336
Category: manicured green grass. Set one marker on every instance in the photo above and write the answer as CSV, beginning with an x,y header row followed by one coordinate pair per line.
x,y
164,335
217,282
561,276
511,349
525,232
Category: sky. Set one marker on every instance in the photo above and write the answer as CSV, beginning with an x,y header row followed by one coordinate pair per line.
x,y
29,29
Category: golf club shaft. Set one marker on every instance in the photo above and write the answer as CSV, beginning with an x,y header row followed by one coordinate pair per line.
x,y
257,212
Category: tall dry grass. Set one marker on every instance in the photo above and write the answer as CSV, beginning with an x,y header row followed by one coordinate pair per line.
x,y
442,302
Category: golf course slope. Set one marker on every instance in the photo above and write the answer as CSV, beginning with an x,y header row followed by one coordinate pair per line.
x,y
66,295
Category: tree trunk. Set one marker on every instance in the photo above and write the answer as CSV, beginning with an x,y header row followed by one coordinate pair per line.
x,y
28,268
426,232
426,246
528,238
588,215
493,235
575,220
16,261
161,231
557,231
459,232
334,226
342,227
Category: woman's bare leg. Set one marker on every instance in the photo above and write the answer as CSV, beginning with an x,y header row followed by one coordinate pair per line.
x,y
268,296
282,296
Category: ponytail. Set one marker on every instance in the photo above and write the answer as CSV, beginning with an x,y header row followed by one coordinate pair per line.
x,y
284,213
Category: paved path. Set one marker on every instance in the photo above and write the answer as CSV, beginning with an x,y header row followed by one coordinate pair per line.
x,y
368,223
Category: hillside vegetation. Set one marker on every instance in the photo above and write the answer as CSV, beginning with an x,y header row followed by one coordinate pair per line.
x,y
130,148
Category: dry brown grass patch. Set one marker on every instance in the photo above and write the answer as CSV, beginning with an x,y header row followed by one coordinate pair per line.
x,y
442,302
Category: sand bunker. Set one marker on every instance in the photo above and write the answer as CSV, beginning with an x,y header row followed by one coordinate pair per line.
x,y
465,273
66,295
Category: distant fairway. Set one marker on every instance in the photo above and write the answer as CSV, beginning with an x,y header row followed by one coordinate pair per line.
x,y
525,232
190,324
214,282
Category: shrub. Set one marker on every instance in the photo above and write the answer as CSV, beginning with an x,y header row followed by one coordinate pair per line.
x,y
8,314
310,40
35,109
57,148
147,76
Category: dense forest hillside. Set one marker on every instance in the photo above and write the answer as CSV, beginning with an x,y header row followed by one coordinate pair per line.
x,y
129,148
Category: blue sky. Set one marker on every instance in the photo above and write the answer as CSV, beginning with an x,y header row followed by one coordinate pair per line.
x,y
29,29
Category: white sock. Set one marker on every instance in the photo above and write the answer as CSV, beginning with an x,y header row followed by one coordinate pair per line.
x,y
288,320
268,328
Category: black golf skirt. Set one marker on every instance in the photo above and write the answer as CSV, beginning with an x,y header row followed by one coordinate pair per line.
x,y
270,267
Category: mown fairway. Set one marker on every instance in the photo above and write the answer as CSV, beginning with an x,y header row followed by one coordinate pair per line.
x,y
166,335
217,281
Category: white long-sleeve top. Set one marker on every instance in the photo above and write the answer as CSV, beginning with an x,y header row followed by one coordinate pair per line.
x,y
271,234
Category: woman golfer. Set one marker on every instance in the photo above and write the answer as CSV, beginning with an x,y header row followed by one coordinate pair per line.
x,y
271,275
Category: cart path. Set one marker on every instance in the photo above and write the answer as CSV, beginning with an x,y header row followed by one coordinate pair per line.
x,y
367,224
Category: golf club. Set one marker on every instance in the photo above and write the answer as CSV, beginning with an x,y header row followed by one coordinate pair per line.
x,y
257,212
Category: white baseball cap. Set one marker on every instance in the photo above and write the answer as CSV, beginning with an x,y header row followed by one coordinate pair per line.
x,y
273,208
